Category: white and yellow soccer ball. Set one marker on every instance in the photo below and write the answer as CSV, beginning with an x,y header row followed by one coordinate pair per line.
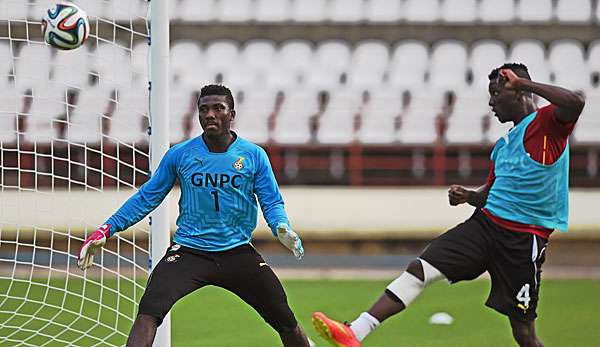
x,y
65,26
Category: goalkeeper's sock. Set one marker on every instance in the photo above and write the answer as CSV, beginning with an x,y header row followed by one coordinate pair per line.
x,y
363,325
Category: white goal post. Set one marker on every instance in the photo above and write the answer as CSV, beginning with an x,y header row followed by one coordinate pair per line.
x,y
80,131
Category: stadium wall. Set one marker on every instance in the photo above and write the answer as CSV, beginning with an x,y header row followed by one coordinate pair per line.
x,y
316,212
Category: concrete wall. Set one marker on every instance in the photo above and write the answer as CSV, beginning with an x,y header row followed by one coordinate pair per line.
x,y
315,212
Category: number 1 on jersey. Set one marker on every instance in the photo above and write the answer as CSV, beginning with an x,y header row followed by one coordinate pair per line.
x,y
216,196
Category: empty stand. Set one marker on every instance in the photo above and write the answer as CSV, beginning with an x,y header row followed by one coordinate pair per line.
x,y
465,123
419,117
85,120
253,113
379,116
497,11
194,10
346,10
574,11
309,10
32,67
448,65
337,123
408,65
272,10
292,125
128,122
535,10
567,61
459,11
235,10
72,68
485,56
421,10
532,54
384,10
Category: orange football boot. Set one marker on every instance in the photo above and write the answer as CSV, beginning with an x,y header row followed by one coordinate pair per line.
x,y
337,333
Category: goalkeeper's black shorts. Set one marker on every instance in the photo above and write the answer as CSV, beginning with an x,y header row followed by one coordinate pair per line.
x,y
513,260
241,270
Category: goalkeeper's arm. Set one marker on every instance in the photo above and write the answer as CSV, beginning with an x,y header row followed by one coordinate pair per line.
x,y
138,206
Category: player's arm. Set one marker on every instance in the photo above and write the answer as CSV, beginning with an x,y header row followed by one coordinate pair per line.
x,y
272,205
569,104
477,198
139,205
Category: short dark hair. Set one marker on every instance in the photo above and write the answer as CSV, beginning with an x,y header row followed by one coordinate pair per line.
x,y
518,68
217,89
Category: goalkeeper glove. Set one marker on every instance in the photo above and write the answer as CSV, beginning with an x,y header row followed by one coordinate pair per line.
x,y
290,239
94,241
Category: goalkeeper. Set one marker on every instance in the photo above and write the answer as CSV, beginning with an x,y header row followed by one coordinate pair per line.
x,y
220,174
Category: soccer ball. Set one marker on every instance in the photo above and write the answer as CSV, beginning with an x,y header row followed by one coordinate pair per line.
x,y
65,26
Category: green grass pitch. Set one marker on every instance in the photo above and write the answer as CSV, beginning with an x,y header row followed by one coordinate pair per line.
x,y
568,315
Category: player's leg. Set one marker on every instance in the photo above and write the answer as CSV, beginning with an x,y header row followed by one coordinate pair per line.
x,y
246,274
457,255
524,333
176,275
515,270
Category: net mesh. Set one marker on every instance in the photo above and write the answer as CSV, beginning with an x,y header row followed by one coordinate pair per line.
x,y
73,146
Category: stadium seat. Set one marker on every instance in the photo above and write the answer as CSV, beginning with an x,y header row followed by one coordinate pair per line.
x,y
272,10
336,124
346,10
567,61
113,65
378,116
85,120
13,10
258,54
593,58
10,104
139,62
235,10
292,125
597,16
532,54
37,8
47,105
124,10
128,123
309,10
368,64
422,10
220,55
465,124
463,11
71,68
409,64
419,117
32,67
252,117
383,10
574,11
332,59
485,56
448,65
534,10
197,11
186,56
294,57
497,11
588,125
6,69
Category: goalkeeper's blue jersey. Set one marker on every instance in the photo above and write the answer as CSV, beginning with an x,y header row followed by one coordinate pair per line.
x,y
219,191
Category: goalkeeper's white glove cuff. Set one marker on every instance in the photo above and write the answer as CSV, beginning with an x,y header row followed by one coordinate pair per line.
x,y
290,239
94,241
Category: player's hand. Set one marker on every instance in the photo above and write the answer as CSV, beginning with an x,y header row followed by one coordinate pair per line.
x,y
93,242
458,195
509,79
290,239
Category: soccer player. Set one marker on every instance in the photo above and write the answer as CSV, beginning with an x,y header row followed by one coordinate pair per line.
x,y
524,200
220,175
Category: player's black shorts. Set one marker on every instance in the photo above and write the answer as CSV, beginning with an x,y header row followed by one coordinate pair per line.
x,y
513,259
240,270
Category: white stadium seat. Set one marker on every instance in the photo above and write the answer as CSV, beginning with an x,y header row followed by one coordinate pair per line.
x,y
567,61
535,10
273,10
10,104
292,122
72,68
421,10
346,10
309,10
497,11
593,58
235,10
128,122
409,64
332,59
379,115
252,117
463,11
186,56
139,62
588,125
48,103
419,117
384,10
32,67
485,56
113,65
220,55
296,54
532,54
448,65
369,62
13,10
197,11
124,10
574,11
85,121
181,108
336,124
6,56
466,121
258,54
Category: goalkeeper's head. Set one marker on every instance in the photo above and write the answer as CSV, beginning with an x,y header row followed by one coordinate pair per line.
x,y
216,109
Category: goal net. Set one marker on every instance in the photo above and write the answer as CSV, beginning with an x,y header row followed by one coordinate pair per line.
x,y
73,147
